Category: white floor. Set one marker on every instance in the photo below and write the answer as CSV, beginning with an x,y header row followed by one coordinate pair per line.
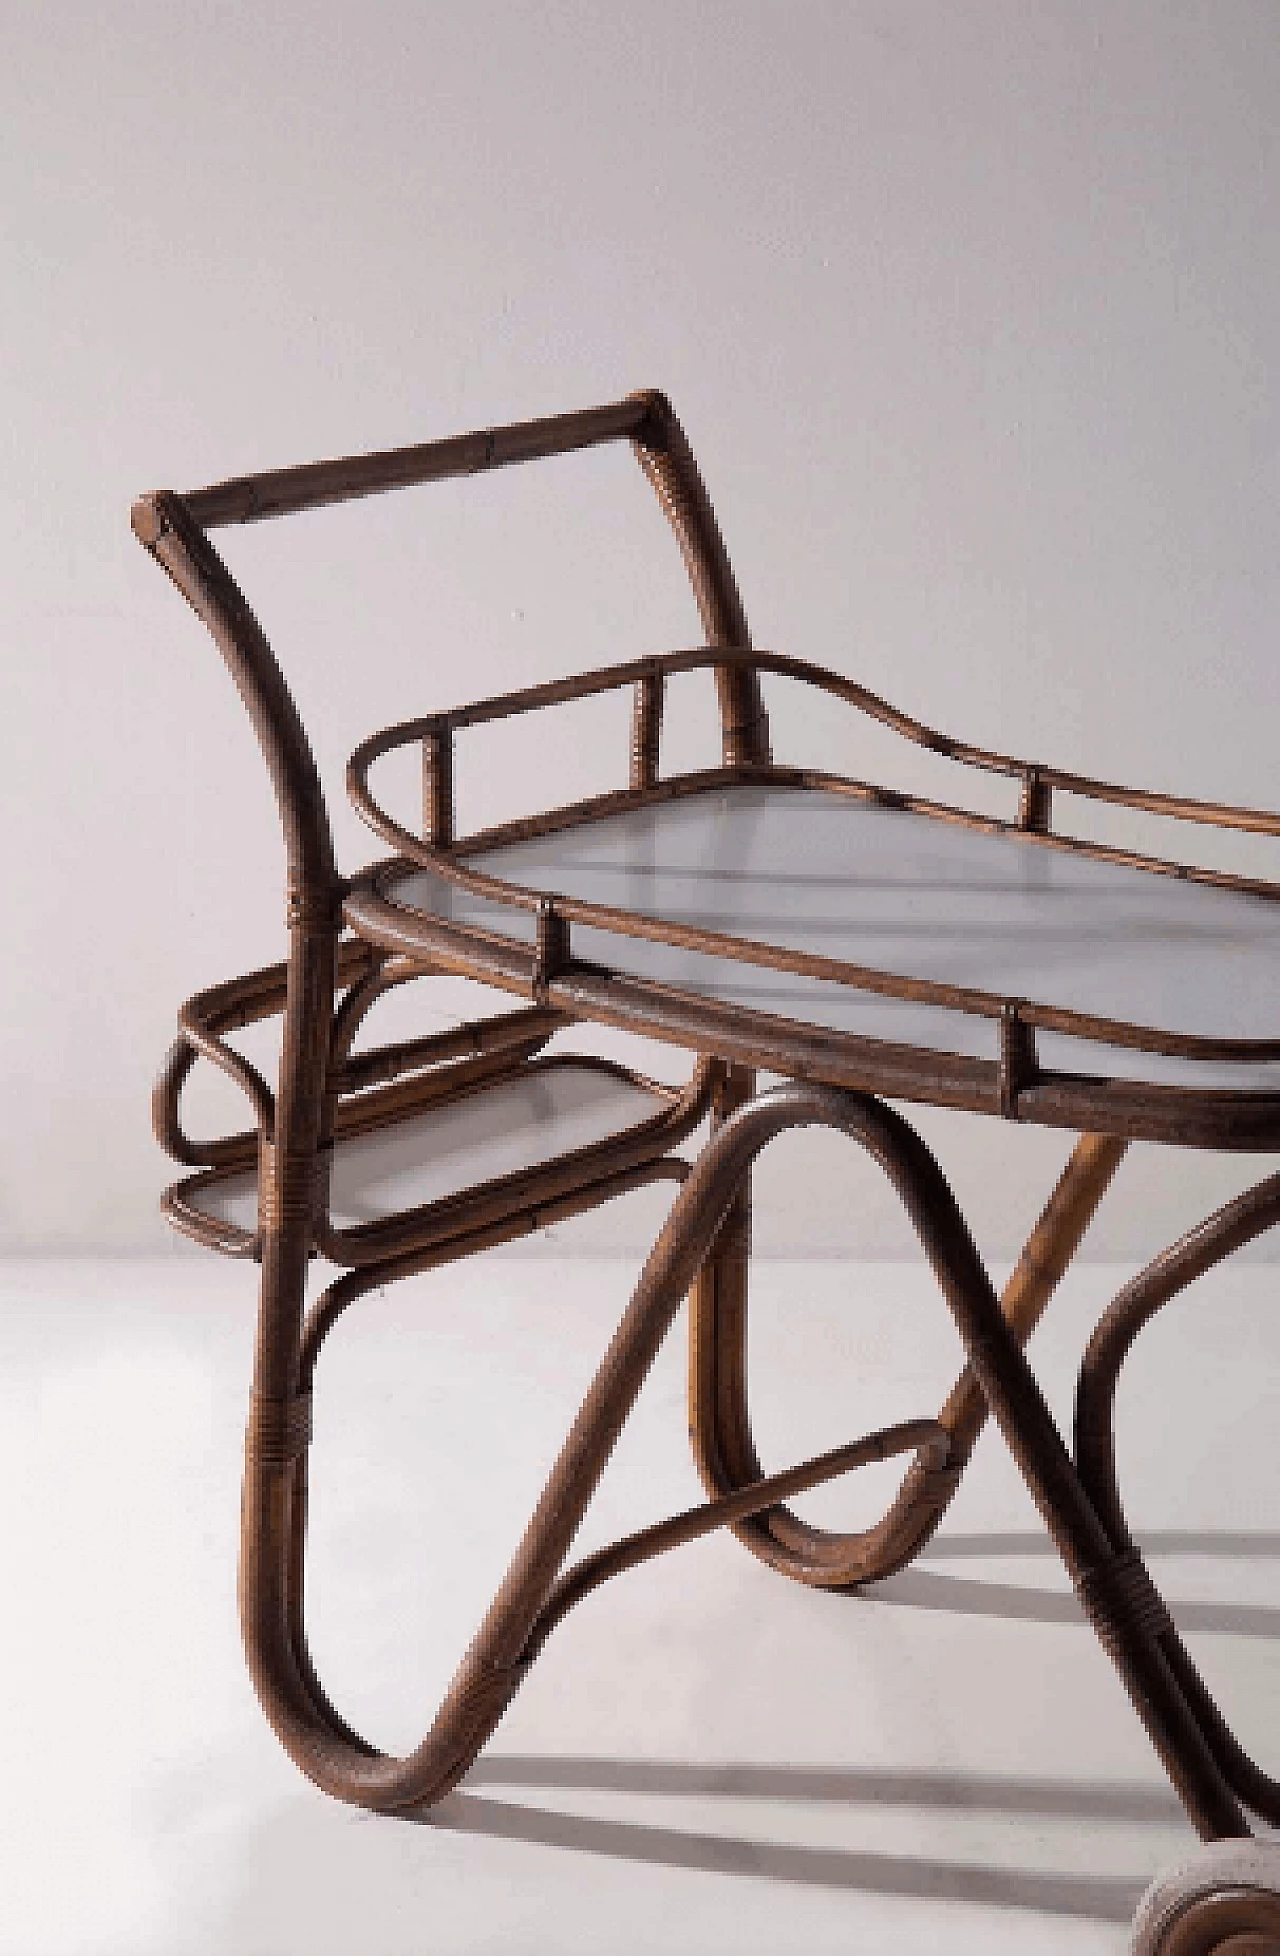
x,y
708,1758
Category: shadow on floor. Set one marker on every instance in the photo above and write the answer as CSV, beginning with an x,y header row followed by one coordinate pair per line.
x,y
1096,1898
842,1785
1100,1898
926,1588
1246,1544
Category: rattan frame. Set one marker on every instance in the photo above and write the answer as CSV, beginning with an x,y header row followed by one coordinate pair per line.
x,y
703,1249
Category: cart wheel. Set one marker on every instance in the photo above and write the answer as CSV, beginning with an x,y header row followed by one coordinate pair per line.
x,y
1225,1902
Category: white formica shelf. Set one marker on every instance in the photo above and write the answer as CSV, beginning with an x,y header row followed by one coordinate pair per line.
x,y
905,893
454,1146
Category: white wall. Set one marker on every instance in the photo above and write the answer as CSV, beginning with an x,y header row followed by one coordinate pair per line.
x,y
970,312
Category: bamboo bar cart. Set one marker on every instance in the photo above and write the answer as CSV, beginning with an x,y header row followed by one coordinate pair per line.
x,y
863,945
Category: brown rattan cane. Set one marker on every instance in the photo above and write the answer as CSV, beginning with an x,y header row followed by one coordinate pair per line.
x,y
350,940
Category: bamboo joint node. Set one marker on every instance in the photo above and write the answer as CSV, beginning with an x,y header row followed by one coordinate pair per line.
x,y
1016,1067
1119,1597
746,741
437,786
934,1487
311,908
1036,803
279,1430
551,949
291,1186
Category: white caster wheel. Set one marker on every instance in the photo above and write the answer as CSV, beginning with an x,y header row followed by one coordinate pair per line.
x,y
1224,1902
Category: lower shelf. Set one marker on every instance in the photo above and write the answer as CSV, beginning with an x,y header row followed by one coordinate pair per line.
x,y
550,1111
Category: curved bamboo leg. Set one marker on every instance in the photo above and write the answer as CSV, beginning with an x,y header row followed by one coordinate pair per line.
x,y
507,1641
1227,1230
320,1321
491,1671
628,1553
719,1421
290,1199
1010,1389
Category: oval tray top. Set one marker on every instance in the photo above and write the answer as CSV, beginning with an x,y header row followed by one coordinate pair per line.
x,y
826,929
838,916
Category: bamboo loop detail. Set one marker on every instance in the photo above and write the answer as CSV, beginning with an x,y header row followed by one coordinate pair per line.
x,y
720,1422
693,1523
